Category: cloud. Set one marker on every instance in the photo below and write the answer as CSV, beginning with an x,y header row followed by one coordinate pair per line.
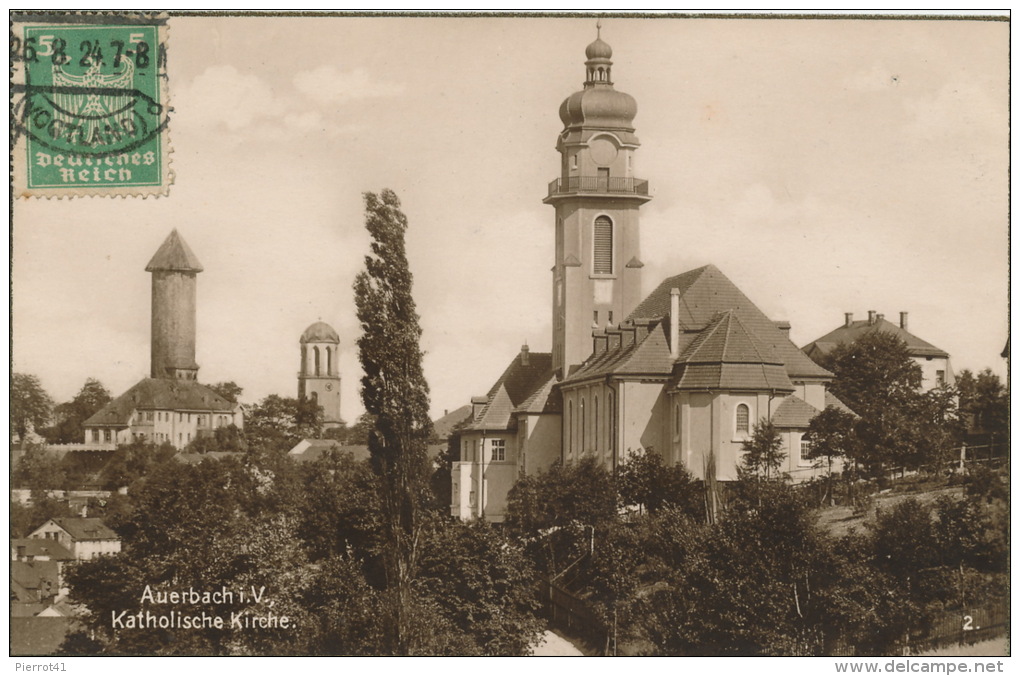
x,y
328,85
223,95
961,107
878,78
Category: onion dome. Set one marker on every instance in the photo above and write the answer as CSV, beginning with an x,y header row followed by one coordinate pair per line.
x,y
598,105
320,332
599,49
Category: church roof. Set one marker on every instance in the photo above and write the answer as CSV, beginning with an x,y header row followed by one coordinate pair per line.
x,y
638,349
706,291
848,334
320,332
174,254
728,356
832,401
794,413
159,394
519,386
725,341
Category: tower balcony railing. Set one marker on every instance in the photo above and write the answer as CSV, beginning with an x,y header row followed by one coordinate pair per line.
x,y
599,184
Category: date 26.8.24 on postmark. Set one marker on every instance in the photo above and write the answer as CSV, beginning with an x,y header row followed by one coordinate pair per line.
x,y
90,106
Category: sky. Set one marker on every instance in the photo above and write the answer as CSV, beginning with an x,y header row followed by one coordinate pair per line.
x,y
824,166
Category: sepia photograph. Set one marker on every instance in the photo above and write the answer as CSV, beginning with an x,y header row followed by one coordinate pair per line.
x,y
478,334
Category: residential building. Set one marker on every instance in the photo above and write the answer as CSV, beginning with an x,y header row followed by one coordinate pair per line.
x,y
936,369
85,538
170,406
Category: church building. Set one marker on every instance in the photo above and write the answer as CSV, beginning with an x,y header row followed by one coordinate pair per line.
x,y
686,371
170,406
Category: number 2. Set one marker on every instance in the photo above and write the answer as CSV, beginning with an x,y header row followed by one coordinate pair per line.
x,y
968,621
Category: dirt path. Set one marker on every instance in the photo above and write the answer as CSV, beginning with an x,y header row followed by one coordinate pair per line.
x,y
553,645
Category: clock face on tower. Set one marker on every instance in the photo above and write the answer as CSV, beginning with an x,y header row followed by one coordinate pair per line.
x,y
603,151
329,386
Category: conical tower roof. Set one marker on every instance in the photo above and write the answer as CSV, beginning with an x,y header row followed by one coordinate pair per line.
x,y
174,254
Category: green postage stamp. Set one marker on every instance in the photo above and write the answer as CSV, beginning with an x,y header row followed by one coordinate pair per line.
x,y
89,105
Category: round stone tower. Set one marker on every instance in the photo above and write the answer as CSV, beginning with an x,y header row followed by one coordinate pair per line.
x,y
174,270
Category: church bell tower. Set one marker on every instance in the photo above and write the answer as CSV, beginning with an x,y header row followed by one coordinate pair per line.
x,y
597,268
319,377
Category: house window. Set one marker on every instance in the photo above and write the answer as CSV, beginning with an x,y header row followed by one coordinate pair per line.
x,y
498,450
805,450
676,420
940,378
595,317
95,435
148,416
610,320
596,435
603,249
106,435
743,419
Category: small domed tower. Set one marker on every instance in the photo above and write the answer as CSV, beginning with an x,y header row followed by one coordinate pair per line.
x,y
319,377
597,266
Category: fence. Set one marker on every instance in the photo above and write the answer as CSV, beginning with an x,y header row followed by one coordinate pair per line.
x,y
569,612
964,626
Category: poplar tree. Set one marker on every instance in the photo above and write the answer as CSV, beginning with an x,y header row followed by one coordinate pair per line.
x,y
395,393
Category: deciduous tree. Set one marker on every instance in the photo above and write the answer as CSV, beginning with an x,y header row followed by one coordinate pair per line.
x,y
30,405
394,391
72,415
763,452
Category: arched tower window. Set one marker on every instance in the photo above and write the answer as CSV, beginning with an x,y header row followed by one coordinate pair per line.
x,y
743,419
603,248
315,350
329,361
315,398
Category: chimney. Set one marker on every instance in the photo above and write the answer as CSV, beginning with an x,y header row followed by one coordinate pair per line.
x,y
783,326
525,355
446,412
903,321
879,317
477,404
848,319
599,341
871,317
674,324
